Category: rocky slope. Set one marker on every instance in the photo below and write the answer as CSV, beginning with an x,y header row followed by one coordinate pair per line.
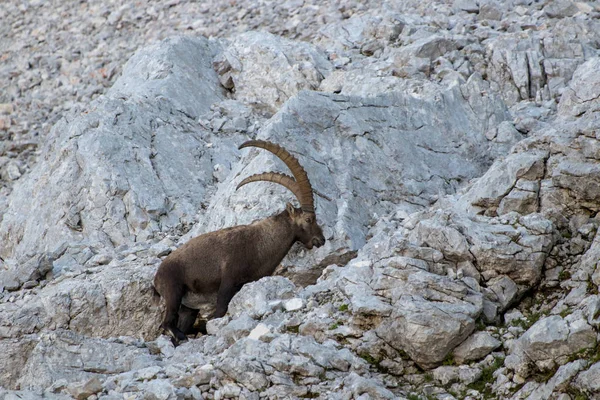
x,y
454,152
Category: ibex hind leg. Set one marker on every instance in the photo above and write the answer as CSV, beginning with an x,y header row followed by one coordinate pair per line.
x,y
187,318
173,301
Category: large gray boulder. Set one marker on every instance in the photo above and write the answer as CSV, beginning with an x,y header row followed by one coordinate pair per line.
x,y
477,346
549,343
99,302
134,164
365,158
67,356
250,363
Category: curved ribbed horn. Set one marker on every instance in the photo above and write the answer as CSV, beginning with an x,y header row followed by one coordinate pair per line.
x,y
276,177
304,194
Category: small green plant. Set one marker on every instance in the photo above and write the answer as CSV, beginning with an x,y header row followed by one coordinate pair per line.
x,y
543,377
309,395
369,358
592,288
375,361
293,329
483,384
403,355
449,360
516,388
591,354
520,322
595,356
576,356
533,318
333,326
565,312
480,325
575,393
343,308
564,275
527,323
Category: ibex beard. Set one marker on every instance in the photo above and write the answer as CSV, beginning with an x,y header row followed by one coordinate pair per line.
x,y
214,266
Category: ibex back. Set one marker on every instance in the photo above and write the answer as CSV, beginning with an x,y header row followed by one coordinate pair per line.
x,y
217,264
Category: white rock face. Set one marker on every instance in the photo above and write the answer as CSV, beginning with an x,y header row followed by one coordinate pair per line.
x,y
588,380
259,331
266,70
453,149
257,298
477,346
120,172
52,357
343,142
551,340
411,309
562,377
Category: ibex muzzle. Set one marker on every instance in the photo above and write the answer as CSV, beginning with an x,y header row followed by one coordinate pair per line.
x,y
215,265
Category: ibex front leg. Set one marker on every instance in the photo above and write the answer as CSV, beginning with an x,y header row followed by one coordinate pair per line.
x,y
226,292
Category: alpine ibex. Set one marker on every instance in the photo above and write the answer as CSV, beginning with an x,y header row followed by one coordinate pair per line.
x,y
217,264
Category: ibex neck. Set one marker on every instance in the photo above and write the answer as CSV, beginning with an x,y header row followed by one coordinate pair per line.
x,y
276,237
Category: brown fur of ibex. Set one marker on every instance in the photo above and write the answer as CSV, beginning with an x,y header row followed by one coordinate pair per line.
x,y
221,262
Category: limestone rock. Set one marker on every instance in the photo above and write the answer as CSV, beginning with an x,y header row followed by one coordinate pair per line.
x,y
82,390
361,28
559,380
257,298
447,374
237,329
114,173
361,387
16,353
500,180
249,362
582,94
355,143
477,346
55,355
114,301
553,338
266,70
560,9
466,5
30,395
589,380
424,307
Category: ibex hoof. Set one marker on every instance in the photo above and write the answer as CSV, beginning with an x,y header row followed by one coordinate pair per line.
x,y
177,337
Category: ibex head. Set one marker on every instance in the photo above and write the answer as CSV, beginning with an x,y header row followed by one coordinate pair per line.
x,y
303,219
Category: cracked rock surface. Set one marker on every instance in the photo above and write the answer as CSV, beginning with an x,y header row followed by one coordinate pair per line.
x,y
454,152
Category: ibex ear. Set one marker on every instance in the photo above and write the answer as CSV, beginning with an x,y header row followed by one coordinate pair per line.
x,y
291,210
